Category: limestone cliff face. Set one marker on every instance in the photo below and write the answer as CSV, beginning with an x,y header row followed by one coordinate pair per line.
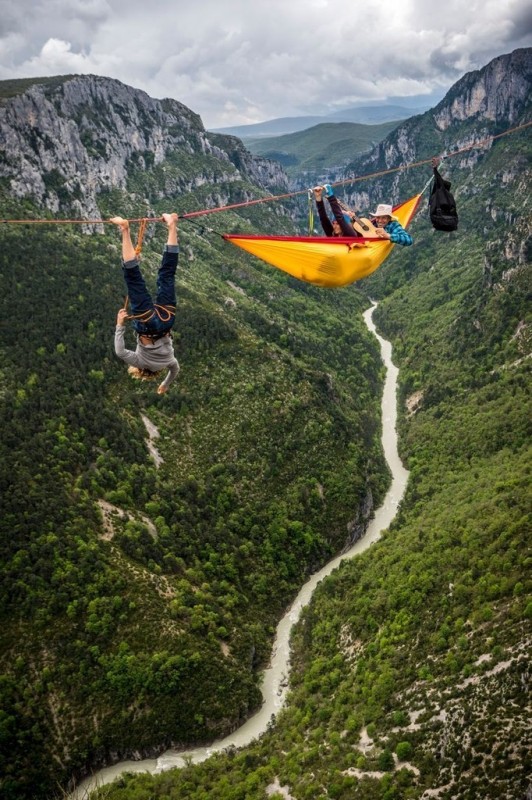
x,y
481,103
498,91
64,142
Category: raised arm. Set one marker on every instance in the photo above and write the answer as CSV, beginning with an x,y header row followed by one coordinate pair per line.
x,y
171,224
128,251
345,226
324,219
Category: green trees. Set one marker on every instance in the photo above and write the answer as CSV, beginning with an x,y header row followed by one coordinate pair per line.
x,y
178,594
409,659
403,751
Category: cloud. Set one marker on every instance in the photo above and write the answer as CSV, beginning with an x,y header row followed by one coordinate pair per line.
x,y
236,62
56,57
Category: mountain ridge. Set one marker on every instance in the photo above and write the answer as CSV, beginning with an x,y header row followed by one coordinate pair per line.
x,y
84,142
365,115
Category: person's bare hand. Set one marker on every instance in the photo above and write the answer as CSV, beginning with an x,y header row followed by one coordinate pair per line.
x,y
381,233
161,389
121,222
318,191
170,219
121,317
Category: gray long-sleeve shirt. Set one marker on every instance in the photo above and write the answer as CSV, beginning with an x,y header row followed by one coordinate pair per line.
x,y
154,357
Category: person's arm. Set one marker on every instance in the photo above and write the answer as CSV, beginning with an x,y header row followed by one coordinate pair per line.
x,y
173,372
345,226
128,356
398,235
324,219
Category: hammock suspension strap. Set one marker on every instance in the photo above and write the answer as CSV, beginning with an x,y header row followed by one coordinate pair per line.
x,y
310,212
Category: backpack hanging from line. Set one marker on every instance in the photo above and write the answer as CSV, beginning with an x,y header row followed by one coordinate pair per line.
x,y
442,205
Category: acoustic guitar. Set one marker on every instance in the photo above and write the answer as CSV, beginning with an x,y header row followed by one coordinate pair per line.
x,y
363,226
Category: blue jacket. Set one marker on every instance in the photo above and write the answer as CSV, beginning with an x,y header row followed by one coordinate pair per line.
x,y
398,235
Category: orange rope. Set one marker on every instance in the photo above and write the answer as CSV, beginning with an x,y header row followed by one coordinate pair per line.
x,y
140,237
165,313
145,220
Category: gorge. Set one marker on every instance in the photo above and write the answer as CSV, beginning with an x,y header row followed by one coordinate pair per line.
x,y
275,678
144,581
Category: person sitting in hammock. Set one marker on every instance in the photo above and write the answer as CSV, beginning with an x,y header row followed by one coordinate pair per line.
x,y
152,321
341,224
388,227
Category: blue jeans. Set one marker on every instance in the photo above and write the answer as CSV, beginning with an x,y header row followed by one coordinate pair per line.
x,y
158,317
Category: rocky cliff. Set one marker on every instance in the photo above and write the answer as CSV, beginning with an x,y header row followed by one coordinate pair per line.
x,y
64,141
481,104
500,90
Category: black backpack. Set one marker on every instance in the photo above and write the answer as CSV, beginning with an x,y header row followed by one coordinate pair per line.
x,y
442,206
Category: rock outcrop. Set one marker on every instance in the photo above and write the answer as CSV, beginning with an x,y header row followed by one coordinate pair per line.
x,y
65,141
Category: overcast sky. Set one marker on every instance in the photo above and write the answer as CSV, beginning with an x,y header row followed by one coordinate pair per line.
x,y
245,61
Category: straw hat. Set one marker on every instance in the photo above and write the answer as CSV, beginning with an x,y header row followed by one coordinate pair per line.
x,y
383,210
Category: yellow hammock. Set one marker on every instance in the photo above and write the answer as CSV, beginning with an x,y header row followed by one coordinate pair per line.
x,y
324,261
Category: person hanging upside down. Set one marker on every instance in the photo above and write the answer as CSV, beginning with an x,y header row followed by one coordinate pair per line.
x,y
341,224
152,322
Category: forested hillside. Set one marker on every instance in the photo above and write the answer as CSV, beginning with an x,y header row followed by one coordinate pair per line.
x,y
411,664
139,600
309,155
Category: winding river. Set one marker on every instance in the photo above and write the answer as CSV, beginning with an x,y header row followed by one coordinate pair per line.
x,y
275,678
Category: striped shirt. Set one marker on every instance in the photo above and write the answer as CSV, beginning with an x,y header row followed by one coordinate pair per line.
x,y
398,235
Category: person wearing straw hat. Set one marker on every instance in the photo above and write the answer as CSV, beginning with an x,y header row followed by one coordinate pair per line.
x,y
152,321
388,226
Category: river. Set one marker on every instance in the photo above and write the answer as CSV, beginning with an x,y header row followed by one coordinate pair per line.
x,y
275,677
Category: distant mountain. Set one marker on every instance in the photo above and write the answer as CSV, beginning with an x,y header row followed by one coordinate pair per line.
x,y
365,115
309,155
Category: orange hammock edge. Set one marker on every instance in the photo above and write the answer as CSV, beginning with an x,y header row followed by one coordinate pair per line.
x,y
327,262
